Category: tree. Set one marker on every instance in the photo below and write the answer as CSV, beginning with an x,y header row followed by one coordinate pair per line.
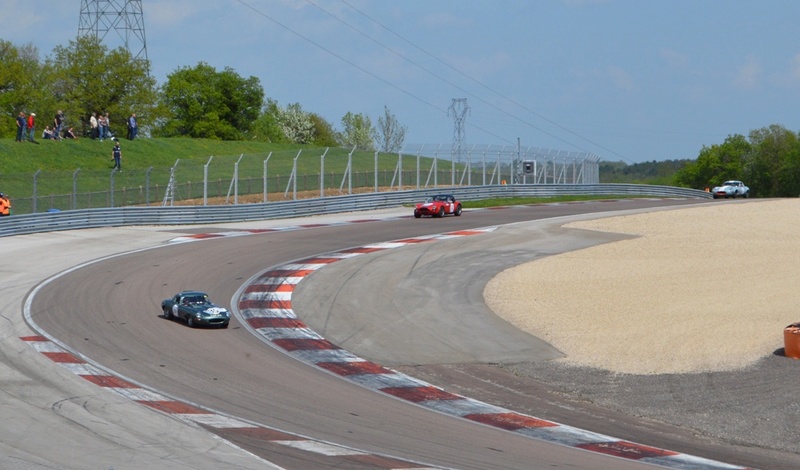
x,y
358,131
391,134
202,102
296,124
266,127
716,164
768,163
86,77
20,86
324,134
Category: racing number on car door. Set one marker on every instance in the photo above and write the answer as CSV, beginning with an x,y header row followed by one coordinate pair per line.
x,y
175,309
448,207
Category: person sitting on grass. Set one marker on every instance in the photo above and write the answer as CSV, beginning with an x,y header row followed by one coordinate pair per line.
x,y
70,134
48,134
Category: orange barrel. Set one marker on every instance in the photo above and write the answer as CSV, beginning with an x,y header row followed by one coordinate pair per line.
x,y
791,341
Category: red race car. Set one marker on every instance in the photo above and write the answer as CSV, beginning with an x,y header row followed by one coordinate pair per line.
x,y
438,206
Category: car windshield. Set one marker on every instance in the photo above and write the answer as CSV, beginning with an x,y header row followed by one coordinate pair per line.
x,y
730,183
195,299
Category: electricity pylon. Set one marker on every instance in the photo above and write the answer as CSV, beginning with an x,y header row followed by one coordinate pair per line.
x,y
123,17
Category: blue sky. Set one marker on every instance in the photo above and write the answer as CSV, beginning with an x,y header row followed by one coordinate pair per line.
x,y
628,80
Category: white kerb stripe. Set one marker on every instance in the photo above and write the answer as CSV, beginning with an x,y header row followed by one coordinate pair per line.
x,y
320,448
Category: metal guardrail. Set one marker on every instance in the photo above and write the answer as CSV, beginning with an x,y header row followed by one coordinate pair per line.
x,y
182,215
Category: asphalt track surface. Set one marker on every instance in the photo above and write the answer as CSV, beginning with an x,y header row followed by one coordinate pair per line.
x,y
109,312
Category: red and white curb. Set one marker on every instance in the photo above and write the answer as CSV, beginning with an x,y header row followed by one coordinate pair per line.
x,y
265,306
225,426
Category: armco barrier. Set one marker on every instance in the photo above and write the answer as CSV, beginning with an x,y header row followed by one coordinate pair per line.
x,y
178,215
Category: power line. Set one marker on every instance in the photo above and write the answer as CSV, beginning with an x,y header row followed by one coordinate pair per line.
x,y
424,51
343,59
430,72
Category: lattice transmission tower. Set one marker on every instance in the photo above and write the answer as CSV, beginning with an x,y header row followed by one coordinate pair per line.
x,y
122,17
458,109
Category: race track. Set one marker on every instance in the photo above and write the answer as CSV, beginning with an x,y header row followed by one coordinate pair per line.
x,y
108,311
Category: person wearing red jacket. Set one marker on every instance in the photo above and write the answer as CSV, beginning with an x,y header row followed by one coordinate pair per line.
x,y
5,205
31,126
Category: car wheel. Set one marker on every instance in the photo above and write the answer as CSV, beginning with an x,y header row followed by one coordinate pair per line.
x,y
441,212
417,214
167,313
746,195
458,211
190,322
224,325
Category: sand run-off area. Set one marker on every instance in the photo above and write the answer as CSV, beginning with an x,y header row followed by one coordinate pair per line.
x,y
697,289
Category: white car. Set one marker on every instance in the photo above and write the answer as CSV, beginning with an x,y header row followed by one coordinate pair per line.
x,y
730,188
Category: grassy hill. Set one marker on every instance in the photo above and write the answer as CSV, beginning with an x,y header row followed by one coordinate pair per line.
x,y
78,173
87,154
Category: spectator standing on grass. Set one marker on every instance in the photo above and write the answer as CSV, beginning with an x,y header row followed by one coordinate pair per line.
x,y
116,155
94,133
133,128
31,127
108,128
102,125
58,121
22,126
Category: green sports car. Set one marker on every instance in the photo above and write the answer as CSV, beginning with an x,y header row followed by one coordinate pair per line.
x,y
196,309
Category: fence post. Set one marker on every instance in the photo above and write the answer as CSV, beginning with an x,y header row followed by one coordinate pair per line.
x,y
350,172
265,176
293,178
418,161
147,186
322,172
400,170
453,164
75,189
169,193
469,165
376,170
205,180
484,166
35,192
112,186
436,167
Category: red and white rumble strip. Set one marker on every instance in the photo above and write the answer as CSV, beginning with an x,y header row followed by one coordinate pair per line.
x,y
227,427
265,307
